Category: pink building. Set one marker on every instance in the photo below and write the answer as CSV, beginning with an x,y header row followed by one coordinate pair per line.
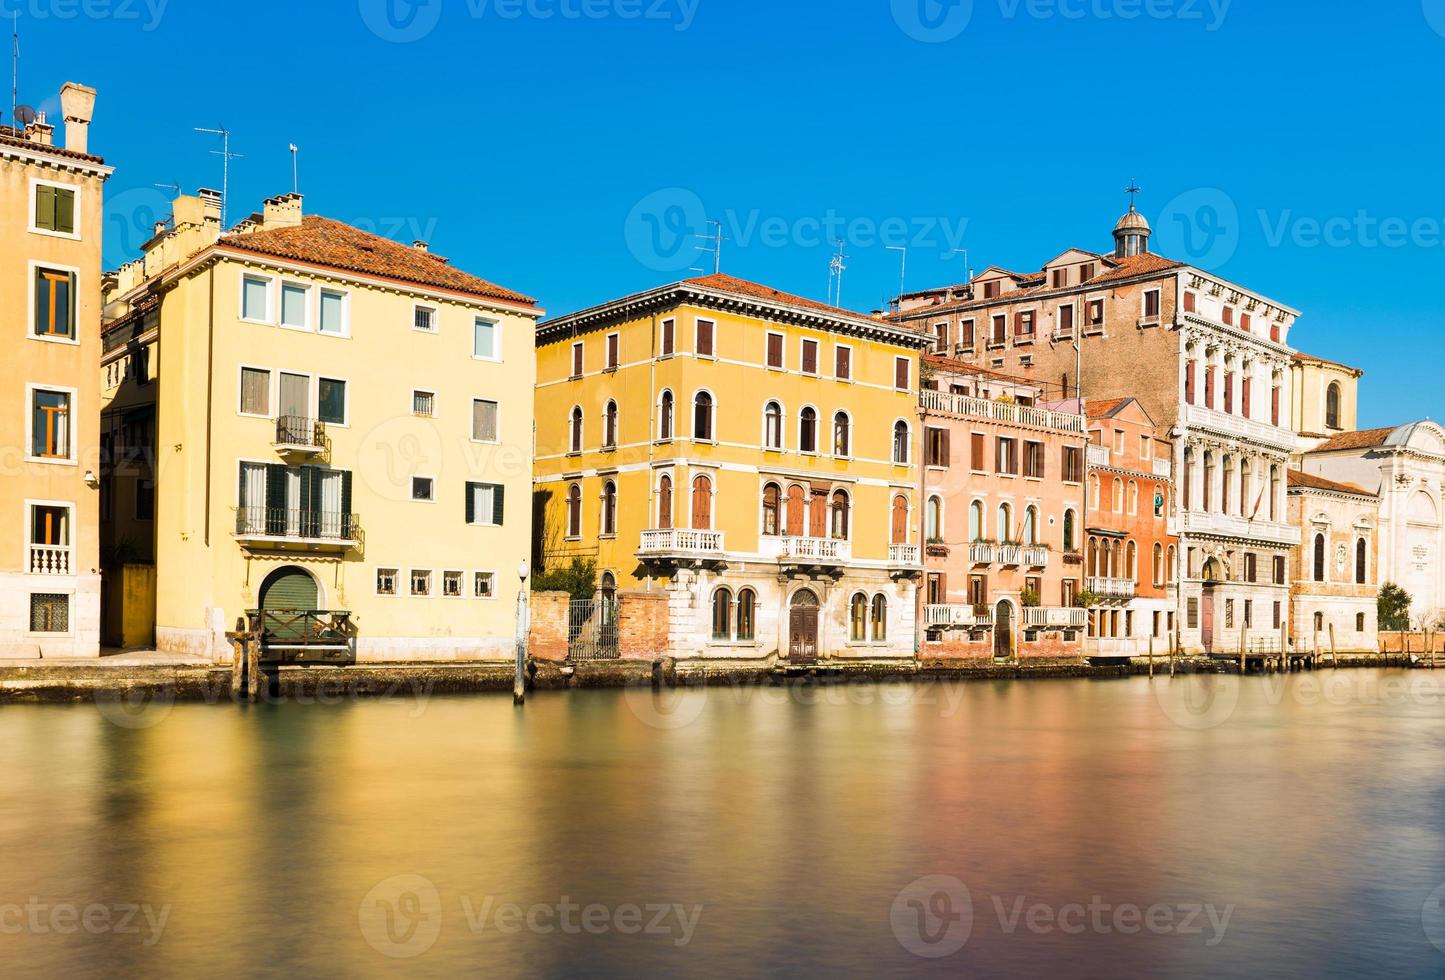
x,y
1003,502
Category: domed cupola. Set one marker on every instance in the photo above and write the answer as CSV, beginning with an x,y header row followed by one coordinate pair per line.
x,y
1131,234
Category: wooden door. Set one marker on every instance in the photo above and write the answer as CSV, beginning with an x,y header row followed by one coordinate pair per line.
x,y
1003,633
795,511
1206,620
803,633
900,519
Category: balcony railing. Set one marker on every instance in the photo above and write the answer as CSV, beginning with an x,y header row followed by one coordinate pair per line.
x,y
1035,555
281,524
957,615
1228,525
49,559
1099,455
299,434
981,552
1113,588
1163,468
1010,554
1055,617
1196,416
904,555
680,541
822,550
1012,412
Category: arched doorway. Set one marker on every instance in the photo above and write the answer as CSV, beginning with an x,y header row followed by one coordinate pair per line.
x,y
1003,630
287,597
803,626
1206,605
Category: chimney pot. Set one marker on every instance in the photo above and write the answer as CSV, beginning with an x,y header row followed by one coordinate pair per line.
x,y
421,246
77,104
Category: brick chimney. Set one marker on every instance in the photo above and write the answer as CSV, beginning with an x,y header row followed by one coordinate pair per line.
x,y
77,103
281,212
40,131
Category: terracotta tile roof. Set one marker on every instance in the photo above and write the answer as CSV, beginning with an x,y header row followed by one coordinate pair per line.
x,y
1308,481
1134,265
326,242
1303,358
1101,408
10,136
1368,439
955,366
725,283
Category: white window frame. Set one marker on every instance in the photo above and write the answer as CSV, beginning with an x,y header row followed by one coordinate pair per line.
x,y
473,424
832,442
423,391
1144,316
345,295
35,184
39,589
476,574
767,350
411,489
307,320
712,438
696,330
907,444
316,380
29,527
851,363
496,356
477,519
662,351
576,366
31,387
270,283
461,574
395,581
431,591
35,267
817,371
435,327
782,426
818,420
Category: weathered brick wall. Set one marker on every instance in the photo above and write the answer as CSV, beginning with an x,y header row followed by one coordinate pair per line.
x,y
1392,642
547,636
955,645
642,625
1050,646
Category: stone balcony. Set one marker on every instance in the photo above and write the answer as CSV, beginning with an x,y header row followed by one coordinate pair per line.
x,y
1027,416
673,544
1239,427
1055,617
957,615
1231,526
1112,589
905,556
49,559
981,552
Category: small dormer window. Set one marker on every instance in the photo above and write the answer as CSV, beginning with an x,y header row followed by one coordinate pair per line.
x,y
1086,272
1061,278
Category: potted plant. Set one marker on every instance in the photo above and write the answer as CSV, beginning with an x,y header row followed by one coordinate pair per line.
x,y
1029,598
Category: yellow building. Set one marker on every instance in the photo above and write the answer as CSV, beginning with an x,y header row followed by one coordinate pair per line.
x,y
342,437
51,200
750,453
1324,399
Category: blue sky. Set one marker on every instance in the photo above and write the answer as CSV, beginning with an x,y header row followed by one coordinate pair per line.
x,y
568,148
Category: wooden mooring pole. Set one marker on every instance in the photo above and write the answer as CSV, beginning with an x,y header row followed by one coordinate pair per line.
x,y
1334,652
1151,654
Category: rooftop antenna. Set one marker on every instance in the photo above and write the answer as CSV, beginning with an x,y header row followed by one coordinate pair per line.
x,y
835,275
15,65
295,174
173,188
715,246
903,272
1133,190
226,157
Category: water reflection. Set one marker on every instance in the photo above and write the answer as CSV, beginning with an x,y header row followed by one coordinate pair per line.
x,y
581,834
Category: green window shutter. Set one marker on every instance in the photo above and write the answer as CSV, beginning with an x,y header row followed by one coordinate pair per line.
x,y
498,492
45,207
310,501
64,210
70,328
42,298
275,498
346,503
471,503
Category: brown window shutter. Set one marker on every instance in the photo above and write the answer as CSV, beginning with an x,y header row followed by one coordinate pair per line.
x,y
945,448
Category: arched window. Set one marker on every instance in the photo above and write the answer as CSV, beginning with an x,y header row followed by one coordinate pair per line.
x,y
1005,523
841,435
664,502
1031,526
1226,485
664,416
576,429
1094,571
975,521
773,425
1069,532
1188,481
1319,622
574,511
1118,496
900,442
933,519
1319,558
1208,481
772,502
900,519
839,516
609,426
609,508
1171,563
858,618
747,615
1158,565
608,586
702,417
701,504
1133,497
1332,405
1362,563
1274,493
808,431
1246,503
797,507
722,615
880,618
1094,492
1131,561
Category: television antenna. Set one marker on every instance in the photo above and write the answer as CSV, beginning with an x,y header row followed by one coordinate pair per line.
x,y
15,71
714,246
226,157
835,275
903,272
295,178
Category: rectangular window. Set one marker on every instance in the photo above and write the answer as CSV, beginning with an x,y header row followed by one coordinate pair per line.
x,y
978,450
386,581
577,360
485,503
1244,321
1192,614
1061,278
485,339
1229,614
1151,305
1086,272
256,299
810,357
1024,325
990,289
614,351
424,403
1276,615
978,590
1229,316
940,335
1094,315
293,305
1191,303
1073,464
452,584
484,585
484,420
255,391
937,592
55,209
1248,613
843,363
965,335
935,447
333,313
423,488
1006,459
1034,460
49,613
50,424
705,330
424,318
775,350
420,581
54,303
1068,590
1066,320
1144,449
145,500
1118,442
669,331
1000,331
1278,570
902,373
331,401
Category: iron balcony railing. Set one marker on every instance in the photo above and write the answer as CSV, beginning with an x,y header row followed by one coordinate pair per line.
x,y
298,432
1055,617
956,614
983,408
300,524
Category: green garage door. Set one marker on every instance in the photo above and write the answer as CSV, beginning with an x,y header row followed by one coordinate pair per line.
x,y
288,588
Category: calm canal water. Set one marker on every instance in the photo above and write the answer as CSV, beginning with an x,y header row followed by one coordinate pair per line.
x,y
1194,827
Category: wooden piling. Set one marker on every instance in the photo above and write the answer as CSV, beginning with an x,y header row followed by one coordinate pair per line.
x,y
1334,652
